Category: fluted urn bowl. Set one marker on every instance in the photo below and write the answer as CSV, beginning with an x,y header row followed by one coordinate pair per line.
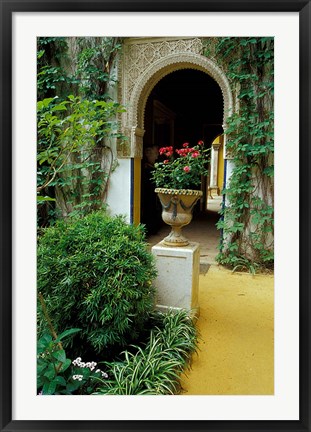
x,y
177,207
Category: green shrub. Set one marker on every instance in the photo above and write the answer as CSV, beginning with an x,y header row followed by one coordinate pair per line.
x,y
95,273
156,368
52,363
56,374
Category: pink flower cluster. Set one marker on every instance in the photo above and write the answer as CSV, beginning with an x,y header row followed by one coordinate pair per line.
x,y
181,168
167,151
186,150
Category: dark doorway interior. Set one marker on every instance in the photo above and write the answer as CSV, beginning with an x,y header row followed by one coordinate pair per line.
x,y
184,106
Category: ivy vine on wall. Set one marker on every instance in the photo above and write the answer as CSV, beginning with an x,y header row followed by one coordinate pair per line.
x,y
248,214
76,123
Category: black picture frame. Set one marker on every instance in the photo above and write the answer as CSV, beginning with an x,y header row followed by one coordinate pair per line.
x,y
7,9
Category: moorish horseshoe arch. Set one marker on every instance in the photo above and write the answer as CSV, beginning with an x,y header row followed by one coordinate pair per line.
x,y
133,121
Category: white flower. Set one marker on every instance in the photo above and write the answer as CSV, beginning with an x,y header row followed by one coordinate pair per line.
x,y
77,377
77,361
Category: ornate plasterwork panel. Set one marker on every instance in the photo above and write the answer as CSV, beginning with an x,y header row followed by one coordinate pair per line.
x,y
144,64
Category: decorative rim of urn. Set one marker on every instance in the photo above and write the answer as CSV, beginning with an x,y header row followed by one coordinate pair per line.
x,y
179,191
176,213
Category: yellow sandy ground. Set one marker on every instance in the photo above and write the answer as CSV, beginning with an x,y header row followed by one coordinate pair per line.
x,y
236,323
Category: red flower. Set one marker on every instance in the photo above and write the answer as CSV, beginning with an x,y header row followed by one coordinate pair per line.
x,y
168,151
166,161
195,154
185,144
200,142
184,151
187,169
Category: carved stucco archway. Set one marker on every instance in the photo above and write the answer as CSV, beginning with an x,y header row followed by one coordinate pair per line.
x,y
136,86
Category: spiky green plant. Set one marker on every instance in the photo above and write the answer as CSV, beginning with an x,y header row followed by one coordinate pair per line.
x,y
156,368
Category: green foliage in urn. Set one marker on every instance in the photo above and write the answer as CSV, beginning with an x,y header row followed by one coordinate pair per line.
x,y
95,273
183,171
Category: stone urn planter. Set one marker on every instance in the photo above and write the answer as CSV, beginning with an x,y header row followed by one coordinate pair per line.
x,y
177,206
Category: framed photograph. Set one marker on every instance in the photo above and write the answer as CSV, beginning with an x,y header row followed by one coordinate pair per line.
x,y
149,31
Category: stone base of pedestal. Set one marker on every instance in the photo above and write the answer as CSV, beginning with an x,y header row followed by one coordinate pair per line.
x,y
177,283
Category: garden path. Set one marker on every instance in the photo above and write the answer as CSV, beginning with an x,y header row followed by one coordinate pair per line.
x,y
236,324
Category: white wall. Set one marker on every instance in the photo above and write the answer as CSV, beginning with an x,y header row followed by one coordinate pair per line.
x,y
119,191
230,167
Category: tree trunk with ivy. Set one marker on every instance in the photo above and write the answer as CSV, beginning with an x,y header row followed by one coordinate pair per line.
x,y
247,219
